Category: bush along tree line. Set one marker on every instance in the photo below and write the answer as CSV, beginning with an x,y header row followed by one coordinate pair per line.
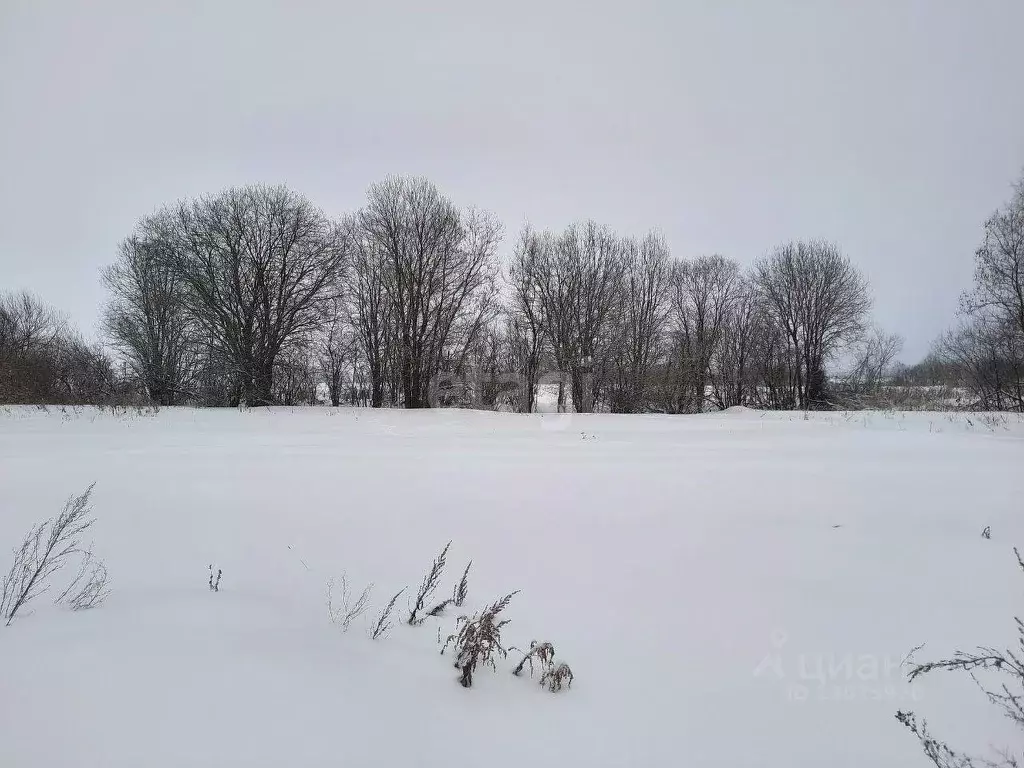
x,y
255,296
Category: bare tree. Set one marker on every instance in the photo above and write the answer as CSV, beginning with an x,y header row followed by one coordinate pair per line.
x,y
333,349
487,365
873,359
295,375
259,263
579,279
999,267
986,357
83,373
27,323
642,320
372,315
740,356
30,334
524,327
986,352
438,269
821,301
145,317
702,294
44,360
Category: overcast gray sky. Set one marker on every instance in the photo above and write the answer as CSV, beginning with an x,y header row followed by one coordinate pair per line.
x,y
893,127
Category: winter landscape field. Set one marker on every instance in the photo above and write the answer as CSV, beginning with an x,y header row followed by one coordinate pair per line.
x,y
729,589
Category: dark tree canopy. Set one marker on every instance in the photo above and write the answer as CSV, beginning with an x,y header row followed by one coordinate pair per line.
x,y
821,301
145,318
437,265
260,267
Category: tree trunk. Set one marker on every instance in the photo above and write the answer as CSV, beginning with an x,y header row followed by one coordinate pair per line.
x,y
261,385
334,385
529,390
578,397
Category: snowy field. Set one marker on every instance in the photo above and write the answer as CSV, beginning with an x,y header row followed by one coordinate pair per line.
x,y
731,589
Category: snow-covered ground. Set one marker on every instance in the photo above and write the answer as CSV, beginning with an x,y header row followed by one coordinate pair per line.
x,y
732,589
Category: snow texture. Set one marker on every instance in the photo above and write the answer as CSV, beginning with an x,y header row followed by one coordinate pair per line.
x,y
732,589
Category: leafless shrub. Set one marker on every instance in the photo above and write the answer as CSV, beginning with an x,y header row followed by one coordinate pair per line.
x,y
555,675
994,421
346,610
1008,695
215,580
428,586
478,640
543,652
461,590
45,550
90,587
380,629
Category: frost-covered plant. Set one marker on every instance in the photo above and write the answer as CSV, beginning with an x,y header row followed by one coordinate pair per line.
x,y
380,629
215,580
555,675
461,590
544,653
1007,665
427,588
477,640
46,549
89,588
344,610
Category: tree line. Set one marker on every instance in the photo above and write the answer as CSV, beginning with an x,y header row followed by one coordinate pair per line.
x,y
256,296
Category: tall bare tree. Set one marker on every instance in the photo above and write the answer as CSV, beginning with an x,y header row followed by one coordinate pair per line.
x,y
333,350
739,356
30,335
999,267
702,293
372,315
642,320
438,270
821,302
145,318
579,279
986,356
873,358
260,264
524,329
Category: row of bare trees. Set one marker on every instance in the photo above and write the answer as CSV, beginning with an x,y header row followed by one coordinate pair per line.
x,y
984,354
43,360
211,299
257,296
636,330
